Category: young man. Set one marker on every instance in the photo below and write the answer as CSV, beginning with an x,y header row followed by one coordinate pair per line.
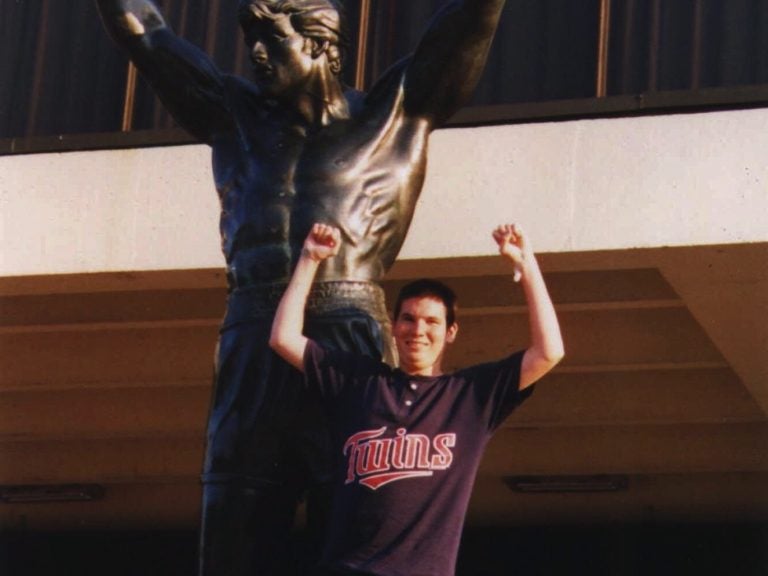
x,y
411,438
289,148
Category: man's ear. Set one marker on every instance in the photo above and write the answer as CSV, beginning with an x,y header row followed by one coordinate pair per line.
x,y
316,47
453,330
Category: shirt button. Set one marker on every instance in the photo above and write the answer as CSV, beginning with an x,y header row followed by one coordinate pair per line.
x,y
414,386
409,402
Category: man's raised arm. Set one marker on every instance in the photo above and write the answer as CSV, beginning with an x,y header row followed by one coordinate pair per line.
x,y
287,337
129,18
448,62
183,76
546,348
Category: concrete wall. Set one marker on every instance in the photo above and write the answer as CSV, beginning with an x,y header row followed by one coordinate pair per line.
x,y
576,186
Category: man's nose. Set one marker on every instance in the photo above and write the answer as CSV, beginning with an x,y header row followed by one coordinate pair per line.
x,y
259,52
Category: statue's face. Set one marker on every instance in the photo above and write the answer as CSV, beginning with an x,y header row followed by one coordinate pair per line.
x,y
281,57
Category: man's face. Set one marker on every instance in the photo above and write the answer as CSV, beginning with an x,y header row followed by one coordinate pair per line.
x,y
421,334
281,57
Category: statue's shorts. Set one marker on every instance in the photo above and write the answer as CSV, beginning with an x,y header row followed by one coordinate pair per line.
x,y
268,444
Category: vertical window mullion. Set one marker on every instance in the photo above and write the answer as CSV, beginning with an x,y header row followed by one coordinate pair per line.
x,y
696,45
601,88
39,74
362,44
211,28
129,101
653,48
627,43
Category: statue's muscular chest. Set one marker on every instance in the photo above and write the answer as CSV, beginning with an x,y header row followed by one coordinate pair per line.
x,y
284,167
276,186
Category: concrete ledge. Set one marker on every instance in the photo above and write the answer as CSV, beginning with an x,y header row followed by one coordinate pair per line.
x,y
583,185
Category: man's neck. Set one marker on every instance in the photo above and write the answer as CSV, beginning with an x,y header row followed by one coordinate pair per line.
x,y
432,371
322,101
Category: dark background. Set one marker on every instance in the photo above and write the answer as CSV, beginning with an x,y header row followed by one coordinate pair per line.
x,y
61,74
606,550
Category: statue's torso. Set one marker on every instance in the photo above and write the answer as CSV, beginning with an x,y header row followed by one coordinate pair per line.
x,y
362,175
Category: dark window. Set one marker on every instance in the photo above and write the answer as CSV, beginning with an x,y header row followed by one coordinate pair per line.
x,y
59,71
543,50
661,45
62,74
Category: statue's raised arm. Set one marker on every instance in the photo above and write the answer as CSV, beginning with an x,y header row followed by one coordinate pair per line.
x,y
449,60
183,77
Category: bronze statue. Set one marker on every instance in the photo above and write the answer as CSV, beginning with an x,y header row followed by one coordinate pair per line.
x,y
291,148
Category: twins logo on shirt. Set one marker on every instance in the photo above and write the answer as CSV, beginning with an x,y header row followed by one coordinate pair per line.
x,y
374,461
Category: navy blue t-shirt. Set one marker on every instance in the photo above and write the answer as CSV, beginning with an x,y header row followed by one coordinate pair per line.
x,y
409,448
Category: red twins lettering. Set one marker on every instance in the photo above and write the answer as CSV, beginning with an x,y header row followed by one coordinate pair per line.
x,y
374,461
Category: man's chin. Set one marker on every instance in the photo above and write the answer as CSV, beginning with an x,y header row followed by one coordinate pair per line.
x,y
266,85
416,360
264,89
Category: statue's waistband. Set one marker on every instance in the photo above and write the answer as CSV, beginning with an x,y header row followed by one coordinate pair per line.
x,y
260,302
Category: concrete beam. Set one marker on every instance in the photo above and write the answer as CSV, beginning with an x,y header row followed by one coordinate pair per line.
x,y
583,185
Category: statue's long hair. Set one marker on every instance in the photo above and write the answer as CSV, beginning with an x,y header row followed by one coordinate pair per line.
x,y
321,20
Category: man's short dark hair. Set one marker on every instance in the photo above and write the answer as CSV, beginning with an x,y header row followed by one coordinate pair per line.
x,y
321,20
429,288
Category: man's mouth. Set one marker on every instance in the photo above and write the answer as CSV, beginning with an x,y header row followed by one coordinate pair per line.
x,y
262,71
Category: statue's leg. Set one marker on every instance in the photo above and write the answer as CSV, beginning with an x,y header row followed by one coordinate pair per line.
x,y
245,531
268,438
251,487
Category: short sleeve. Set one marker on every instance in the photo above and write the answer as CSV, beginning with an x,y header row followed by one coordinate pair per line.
x,y
497,386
